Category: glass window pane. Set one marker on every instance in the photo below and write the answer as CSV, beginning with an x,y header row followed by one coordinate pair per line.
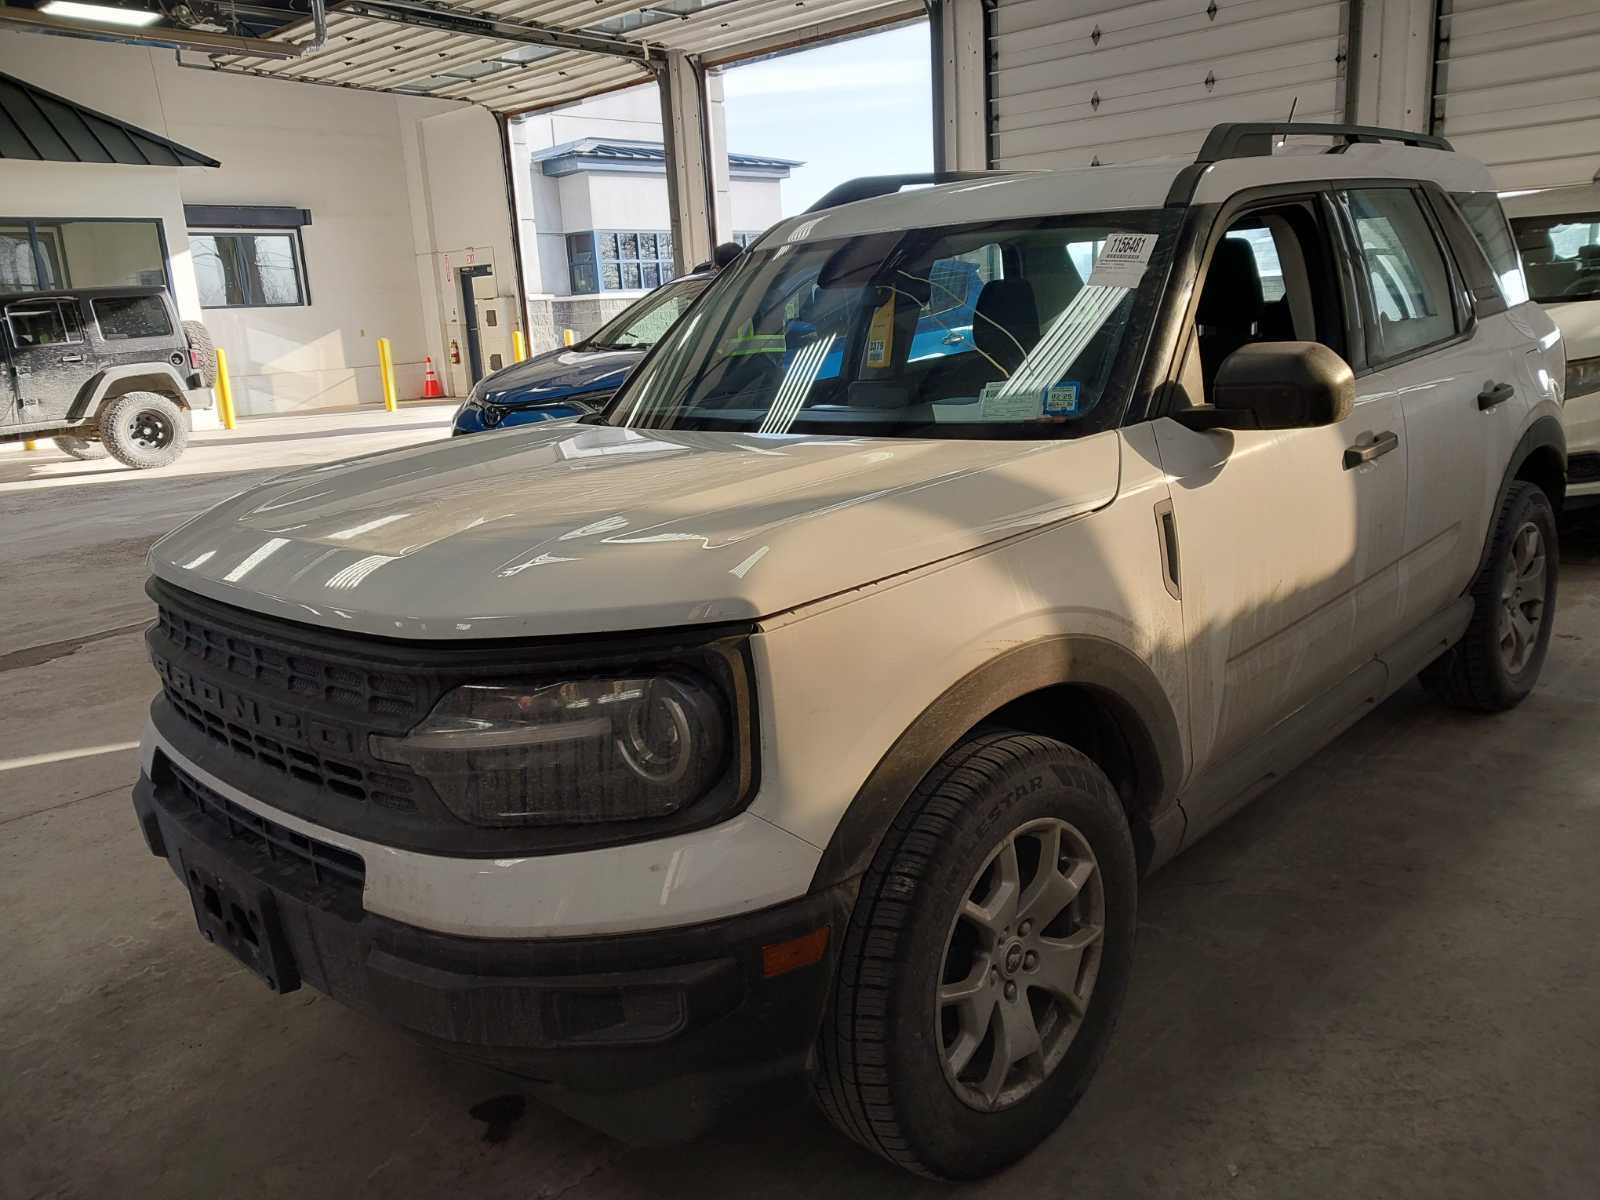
x,y
41,323
131,317
629,247
1407,279
275,268
209,271
610,276
18,272
1267,265
608,247
1562,256
236,270
630,275
650,274
106,253
1488,222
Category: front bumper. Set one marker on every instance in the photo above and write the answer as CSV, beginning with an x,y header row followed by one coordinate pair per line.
x,y
651,1036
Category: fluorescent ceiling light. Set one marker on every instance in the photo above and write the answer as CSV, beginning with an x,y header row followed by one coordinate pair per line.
x,y
104,13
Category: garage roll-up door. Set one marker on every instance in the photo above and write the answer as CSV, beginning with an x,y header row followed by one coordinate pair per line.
x,y
1517,84
1081,81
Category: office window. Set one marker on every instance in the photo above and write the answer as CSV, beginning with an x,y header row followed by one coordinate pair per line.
x,y
122,317
618,260
38,254
257,269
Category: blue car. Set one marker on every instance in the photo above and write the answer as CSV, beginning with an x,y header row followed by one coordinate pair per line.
x,y
578,379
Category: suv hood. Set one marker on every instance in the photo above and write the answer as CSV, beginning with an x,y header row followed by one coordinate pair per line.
x,y
558,375
585,529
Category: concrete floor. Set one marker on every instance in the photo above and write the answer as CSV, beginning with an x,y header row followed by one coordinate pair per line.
x,y
1380,980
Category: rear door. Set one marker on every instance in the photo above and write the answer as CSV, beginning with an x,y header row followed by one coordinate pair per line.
x,y
1426,350
48,355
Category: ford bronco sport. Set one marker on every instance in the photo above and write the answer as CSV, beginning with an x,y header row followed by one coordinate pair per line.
x,y
103,370
771,730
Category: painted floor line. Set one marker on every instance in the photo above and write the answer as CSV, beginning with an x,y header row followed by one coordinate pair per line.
x,y
55,756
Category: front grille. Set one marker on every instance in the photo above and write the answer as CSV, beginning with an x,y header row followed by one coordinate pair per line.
x,y
300,673
316,862
383,788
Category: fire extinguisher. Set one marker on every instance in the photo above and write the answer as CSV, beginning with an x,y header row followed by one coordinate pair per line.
x,y
455,351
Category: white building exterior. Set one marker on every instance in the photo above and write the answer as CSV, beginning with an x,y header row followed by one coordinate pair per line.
x,y
595,171
400,193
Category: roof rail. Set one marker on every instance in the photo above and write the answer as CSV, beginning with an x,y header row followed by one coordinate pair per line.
x,y
868,186
1252,139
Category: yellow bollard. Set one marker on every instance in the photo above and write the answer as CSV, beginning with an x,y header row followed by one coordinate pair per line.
x,y
224,390
519,346
386,372
30,444
567,337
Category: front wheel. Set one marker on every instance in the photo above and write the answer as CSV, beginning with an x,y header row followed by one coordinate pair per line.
x,y
986,960
144,430
1497,661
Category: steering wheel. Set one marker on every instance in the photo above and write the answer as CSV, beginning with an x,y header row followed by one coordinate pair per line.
x,y
1583,284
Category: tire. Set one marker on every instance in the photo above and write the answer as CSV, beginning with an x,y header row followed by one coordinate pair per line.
x,y
144,430
901,1065
86,449
200,342
1497,661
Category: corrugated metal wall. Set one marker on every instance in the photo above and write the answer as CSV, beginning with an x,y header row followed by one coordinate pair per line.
x,y
1517,84
1079,81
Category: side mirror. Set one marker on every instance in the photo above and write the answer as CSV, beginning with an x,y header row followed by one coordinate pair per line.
x,y
1277,385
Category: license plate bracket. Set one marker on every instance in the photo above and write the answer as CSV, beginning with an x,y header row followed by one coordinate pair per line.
x,y
236,912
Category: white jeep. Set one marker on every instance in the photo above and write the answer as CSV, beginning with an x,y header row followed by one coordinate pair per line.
x,y
810,716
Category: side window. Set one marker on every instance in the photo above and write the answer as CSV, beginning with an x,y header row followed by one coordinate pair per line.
x,y
944,325
122,317
1271,277
1407,278
1487,220
42,323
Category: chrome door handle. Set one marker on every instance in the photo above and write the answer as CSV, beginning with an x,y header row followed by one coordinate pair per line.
x,y
1365,452
70,358
1495,394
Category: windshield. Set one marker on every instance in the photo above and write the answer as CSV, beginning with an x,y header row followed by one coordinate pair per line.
x,y
640,325
1561,256
1027,329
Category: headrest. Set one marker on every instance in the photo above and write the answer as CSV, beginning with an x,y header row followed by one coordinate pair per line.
x,y
1232,295
1589,257
1005,321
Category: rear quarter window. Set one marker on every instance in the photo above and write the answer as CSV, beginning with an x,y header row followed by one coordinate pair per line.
x,y
1562,254
1487,220
123,317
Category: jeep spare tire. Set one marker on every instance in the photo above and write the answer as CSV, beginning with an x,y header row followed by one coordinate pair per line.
x,y
84,448
143,430
205,351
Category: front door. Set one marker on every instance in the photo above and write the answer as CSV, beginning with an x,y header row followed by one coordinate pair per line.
x,y
1288,538
48,356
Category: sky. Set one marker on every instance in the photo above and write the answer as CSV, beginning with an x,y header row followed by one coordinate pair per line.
x,y
860,107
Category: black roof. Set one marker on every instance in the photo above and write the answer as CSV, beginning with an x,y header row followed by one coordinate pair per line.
x,y
41,126
89,293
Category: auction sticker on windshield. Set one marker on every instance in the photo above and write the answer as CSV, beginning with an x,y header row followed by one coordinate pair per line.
x,y
1122,260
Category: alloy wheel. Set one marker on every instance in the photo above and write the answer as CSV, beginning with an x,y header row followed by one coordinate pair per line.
x,y
1020,964
1522,598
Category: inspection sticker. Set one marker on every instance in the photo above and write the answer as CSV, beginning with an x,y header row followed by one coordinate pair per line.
x,y
1122,260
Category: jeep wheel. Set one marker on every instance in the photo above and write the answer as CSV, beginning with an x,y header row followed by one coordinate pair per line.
x,y
986,960
83,448
200,342
1497,661
143,430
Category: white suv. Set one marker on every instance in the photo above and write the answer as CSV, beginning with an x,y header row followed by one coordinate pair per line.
x,y
1558,233
810,716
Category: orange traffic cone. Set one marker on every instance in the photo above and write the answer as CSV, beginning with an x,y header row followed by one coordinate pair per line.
x,y
430,382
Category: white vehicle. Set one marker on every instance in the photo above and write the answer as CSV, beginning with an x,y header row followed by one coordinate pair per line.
x,y
1558,232
810,716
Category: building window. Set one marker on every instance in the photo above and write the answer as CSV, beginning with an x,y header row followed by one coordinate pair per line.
x,y
39,254
248,269
611,260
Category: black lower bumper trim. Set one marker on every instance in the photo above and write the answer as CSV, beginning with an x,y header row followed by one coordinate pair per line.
x,y
651,1035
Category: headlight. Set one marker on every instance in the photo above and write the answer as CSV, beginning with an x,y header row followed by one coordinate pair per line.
x,y
580,751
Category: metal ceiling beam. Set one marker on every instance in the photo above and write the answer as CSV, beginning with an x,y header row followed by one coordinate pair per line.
x,y
35,21
432,16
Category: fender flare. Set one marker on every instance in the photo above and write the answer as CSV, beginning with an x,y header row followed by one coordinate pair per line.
x,y
92,394
1546,433
1114,675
